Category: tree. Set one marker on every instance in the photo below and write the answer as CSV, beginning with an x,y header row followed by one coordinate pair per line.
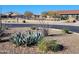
x,y
64,17
13,15
10,14
28,14
44,13
53,13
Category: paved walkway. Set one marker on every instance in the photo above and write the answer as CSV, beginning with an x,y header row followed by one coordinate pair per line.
x,y
48,22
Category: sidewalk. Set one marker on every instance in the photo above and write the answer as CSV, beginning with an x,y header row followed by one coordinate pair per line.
x,y
48,22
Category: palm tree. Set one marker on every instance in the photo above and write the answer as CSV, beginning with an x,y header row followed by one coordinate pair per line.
x,y
28,14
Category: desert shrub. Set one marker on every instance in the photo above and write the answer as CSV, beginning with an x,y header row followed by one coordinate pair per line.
x,y
3,27
0,28
45,32
33,27
42,45
24,21
64,17
28,38
71,21
67,31
6,27
52,45
74,21
56,47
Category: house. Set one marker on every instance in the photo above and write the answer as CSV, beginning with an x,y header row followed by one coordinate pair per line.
x,y
13,17
74,14
60,15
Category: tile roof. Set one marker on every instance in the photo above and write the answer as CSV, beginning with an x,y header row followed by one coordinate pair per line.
x,y
68,12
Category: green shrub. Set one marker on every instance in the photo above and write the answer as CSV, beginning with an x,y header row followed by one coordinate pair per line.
x,y
3,27
52,45
45,45
56,47
42,45
67,31
74,21
24,21
33,27
28,38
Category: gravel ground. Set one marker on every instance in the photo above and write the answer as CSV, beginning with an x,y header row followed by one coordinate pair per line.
x,y
70,41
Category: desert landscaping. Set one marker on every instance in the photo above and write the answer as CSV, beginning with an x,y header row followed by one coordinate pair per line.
x,y
69,41
39,31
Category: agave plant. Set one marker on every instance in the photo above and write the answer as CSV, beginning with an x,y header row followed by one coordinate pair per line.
x,y
17,38
28,38
34,38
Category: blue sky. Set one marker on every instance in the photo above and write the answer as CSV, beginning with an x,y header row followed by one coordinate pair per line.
x,y
36,9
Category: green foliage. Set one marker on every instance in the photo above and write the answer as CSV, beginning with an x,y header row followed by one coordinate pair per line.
x,y
65,17
33,28
45,45
42,45
52,45
67,31
24,21
17,38
44,13
56,47
28,13
28,38
3,27
34,38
